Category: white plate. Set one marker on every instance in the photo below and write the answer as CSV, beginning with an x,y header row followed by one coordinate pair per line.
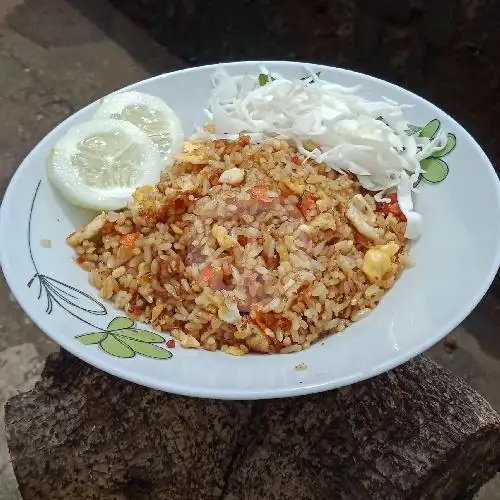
x,y
457,257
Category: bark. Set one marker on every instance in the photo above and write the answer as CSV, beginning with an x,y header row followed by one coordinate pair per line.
x,y
416,432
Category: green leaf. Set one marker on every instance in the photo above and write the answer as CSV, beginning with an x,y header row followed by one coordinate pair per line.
x,y
148,350
120,322
91,338
115,347
263,79
450,146
434,170
430,129
140,336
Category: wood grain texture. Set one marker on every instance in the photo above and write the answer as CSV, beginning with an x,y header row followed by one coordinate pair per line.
x,y
416,432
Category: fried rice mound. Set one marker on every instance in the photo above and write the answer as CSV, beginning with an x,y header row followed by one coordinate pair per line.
x,y
245,247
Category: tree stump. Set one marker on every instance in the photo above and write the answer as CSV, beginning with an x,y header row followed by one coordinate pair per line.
x,y
416,432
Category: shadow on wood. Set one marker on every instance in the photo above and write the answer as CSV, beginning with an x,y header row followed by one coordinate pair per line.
x,y
416,432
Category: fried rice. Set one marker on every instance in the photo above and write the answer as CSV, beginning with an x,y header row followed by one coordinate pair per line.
x,y
246,247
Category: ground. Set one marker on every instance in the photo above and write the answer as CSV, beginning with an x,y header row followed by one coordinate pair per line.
x,y
53,61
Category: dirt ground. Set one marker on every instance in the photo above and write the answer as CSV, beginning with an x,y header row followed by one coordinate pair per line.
x,y
53,61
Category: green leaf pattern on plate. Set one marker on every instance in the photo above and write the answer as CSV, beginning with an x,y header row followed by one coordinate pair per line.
x,y
122,340
92,338
141,336
430,130
148,350
111,345
434,169
450,146
120,323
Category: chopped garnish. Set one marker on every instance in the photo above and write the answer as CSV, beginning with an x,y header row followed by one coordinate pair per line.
x,y
265,79
129,240
308,201
392,207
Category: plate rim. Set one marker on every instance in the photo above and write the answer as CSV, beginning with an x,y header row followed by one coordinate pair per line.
x,y
165,384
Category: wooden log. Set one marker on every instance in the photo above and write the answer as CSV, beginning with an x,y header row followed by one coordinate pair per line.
x,y
415,432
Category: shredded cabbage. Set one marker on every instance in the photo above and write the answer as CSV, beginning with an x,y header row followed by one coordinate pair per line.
x,y
370,139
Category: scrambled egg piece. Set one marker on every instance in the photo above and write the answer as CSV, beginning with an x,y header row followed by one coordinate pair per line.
x,y
146,198
195,152
295,187
234,350
233,176
187,183
222,237
324,221
229,313
283,252
377,261
87,232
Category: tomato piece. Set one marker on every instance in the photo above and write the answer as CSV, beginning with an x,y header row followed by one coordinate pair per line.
x,y
396,211
271,320
393,197
206,273
245,240
177,206
243,141
129,240
212,276
296,160
361,240
135,311
308,201
392,207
